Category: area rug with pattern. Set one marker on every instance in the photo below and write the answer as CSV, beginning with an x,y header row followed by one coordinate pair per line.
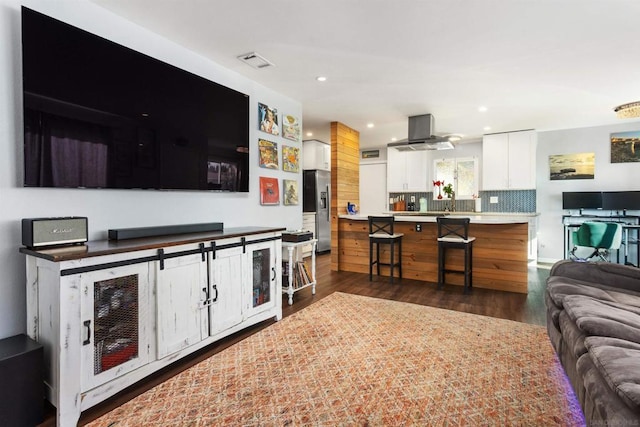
x,y
355,360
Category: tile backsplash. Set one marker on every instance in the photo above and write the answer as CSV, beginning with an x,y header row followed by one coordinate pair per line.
x,y
507,201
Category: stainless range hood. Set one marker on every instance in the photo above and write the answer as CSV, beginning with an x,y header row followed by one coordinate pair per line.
x,y
421,136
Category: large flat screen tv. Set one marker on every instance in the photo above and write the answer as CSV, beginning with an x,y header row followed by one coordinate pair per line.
x,y
100,115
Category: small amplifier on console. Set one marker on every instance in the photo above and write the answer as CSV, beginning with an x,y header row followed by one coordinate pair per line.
x,y
40,232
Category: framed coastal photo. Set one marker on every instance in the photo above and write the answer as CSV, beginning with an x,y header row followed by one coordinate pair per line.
x,y
291,127
625,147
290,159
290,189
268,119
268,154
269,191
572,166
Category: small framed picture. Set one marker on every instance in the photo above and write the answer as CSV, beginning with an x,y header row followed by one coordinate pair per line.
x,y
290,159
269,191
268,119
290,189
290,127
268,154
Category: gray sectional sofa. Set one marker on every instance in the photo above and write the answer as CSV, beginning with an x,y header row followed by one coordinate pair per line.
x,y
593,322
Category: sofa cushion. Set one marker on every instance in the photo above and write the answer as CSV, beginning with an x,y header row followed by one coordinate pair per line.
x,y
604,318
572,335
618,361
601,404
559,287
553,311
617,275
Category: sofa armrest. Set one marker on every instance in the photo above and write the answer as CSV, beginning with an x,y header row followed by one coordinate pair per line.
x,y
606,273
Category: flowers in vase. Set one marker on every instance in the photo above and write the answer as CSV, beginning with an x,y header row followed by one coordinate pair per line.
x,y
439,184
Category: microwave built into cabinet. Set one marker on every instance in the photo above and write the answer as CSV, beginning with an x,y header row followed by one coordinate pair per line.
x,y
109,320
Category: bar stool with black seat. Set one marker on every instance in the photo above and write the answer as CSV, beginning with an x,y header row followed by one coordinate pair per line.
x,y
453,233
381,232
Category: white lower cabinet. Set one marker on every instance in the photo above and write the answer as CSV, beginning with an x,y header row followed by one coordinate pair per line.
x,y
115,322
108,320
226,290
181,294
264,274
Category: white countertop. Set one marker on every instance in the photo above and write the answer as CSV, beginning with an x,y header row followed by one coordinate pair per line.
x,y
475,217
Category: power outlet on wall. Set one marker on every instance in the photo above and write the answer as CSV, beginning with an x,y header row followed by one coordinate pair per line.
x,y
418,228
493,199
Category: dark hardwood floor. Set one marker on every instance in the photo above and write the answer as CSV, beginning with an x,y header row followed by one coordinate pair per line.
x,y
518,307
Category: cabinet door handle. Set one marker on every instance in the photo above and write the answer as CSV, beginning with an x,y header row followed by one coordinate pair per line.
x,y
273,269
215,288
87,324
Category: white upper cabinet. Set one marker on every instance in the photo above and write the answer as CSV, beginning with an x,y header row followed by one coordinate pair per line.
x,y
316,155
509,161
407,171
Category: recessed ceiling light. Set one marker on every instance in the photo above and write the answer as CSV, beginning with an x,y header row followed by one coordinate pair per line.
x,y
454,137
487,128
394,139
321,78
482,109
369,125
309,133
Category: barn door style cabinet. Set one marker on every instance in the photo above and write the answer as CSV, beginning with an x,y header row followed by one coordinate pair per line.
x,y
108,314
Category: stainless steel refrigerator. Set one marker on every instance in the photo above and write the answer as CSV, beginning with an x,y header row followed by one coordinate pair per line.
x,y
316,197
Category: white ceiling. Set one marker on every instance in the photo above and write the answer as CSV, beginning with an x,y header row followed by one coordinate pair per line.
x,y
541,64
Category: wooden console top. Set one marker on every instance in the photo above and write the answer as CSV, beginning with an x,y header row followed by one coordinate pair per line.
x,y
109,247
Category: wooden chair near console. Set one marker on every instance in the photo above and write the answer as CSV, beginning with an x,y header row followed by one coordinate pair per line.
x,y
381,232
453,233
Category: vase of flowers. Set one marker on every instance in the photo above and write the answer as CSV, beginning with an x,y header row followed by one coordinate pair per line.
x,y
439,184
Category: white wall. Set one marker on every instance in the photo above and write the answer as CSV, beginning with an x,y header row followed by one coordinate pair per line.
x,y
114,208
608,177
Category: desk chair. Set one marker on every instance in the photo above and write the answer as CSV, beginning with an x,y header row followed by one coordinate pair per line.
x,y
381,232
598,237
453,233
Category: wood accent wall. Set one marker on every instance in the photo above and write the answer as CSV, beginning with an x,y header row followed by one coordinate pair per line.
x,y
345,179
499,254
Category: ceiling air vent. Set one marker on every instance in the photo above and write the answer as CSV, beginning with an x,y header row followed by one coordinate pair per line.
x,y
255,60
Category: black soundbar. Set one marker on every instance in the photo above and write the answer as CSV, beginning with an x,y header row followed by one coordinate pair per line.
x,y
165,230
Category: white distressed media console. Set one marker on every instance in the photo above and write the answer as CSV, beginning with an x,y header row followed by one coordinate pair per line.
x,y
110,313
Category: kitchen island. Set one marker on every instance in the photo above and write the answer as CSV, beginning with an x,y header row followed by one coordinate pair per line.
x,y
500,254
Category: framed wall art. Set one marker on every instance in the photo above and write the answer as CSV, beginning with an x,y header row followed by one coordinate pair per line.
x,y
625,147
269,191
291,127
572,166
268,119
290,159
268,154
290,189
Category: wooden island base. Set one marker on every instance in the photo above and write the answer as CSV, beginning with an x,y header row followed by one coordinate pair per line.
x,y
499,253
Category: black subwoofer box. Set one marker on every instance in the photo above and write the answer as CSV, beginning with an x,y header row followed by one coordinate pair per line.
x,y
22,391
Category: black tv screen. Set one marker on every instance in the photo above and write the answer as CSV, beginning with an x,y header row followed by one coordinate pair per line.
x,y
621,200
582,200
100,115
